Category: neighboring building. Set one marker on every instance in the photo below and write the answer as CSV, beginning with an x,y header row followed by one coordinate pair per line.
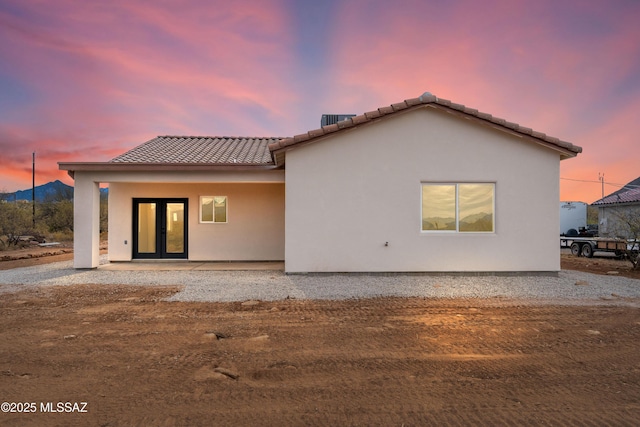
x,y
422,185
619,212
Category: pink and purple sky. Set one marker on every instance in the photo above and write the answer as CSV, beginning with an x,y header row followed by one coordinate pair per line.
x,y
87,80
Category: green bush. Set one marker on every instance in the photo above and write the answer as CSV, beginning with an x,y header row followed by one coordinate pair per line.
x,y
53,220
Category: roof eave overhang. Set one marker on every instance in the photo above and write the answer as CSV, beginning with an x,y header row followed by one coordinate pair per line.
x,y
279,151
615,204
565,153
72,167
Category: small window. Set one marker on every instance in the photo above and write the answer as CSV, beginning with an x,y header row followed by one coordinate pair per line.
x,y
213,209
461,207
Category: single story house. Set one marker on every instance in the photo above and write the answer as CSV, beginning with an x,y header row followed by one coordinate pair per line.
x,y
619,212
424,185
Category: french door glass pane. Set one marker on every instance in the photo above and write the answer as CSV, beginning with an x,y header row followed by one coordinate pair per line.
x,y
175,228
146,228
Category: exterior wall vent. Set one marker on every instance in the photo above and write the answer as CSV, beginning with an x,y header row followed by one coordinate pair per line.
x,y
331,119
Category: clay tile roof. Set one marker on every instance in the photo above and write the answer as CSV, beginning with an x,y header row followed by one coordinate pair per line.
x,y
316,132
426,98
301,137
629,196
385,110
359,119
225,150
331,128
222,150
630,193
372,114
527,131
344,123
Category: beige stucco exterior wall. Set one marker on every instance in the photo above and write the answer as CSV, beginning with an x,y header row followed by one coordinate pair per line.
x,y
254,230
349,194
86,221
614,220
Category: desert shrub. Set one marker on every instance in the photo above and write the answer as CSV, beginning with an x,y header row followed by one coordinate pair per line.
x,y
53,219
16,219
57,216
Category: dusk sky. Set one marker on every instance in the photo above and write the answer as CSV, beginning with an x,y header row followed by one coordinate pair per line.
x,y
84,80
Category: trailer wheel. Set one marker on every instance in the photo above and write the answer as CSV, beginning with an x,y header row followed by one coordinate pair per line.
x,y
575,249
587,250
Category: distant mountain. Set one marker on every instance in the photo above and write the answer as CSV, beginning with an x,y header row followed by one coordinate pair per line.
x,y
438,223
477,222
55,190
50,191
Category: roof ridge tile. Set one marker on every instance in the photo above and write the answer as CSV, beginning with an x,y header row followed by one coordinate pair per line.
x,y
425,98
385,110
400,106
372,114
261,150
359,119
345,123
414,101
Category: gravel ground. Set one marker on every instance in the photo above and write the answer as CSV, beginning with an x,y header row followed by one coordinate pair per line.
x,y
568,288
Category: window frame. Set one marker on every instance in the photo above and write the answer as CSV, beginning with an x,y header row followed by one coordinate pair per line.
x,y
457,185
226,210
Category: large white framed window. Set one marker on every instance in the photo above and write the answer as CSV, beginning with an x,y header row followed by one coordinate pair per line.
x,y
213,209
458,207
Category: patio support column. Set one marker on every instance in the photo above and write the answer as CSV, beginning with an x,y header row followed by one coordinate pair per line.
x,y
86,222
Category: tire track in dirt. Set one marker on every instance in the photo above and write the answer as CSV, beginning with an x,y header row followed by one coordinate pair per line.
x,y
384,361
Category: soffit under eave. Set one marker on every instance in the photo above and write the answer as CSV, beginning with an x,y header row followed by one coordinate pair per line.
x,y
168,167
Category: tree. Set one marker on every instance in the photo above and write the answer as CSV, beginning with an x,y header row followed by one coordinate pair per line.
x,y
104,212
592,215
56,212
15,221
627,226
56,216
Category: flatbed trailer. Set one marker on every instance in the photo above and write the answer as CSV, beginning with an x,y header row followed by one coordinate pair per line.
x,y
586,246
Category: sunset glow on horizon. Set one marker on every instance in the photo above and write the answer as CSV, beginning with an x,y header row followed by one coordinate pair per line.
x,y
86,81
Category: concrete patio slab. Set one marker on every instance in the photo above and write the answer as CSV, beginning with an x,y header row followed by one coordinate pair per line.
x,y
192,266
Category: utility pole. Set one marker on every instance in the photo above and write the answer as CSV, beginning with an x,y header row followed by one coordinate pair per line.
x,y
33,188
601,178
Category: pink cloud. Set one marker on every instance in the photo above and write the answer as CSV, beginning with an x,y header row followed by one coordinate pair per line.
x,y
541,65
200,63
610,147
116,76
104,77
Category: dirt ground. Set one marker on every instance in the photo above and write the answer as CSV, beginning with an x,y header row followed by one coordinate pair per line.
x,y
127,357
599,265
35,255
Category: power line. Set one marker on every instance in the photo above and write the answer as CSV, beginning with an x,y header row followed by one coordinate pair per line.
x,y
598,182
